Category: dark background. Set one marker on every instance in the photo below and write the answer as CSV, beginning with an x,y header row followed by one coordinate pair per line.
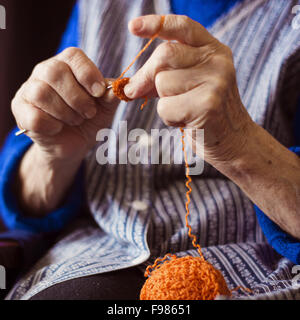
x,y
33,33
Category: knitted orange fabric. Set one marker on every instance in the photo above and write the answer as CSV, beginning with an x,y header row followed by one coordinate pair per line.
x,y
187,278
118,89
172,278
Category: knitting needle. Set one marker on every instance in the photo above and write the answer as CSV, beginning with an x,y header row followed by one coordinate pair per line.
x,y
22,131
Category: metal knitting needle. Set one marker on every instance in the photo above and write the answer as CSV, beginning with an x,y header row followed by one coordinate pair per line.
x,y
22,131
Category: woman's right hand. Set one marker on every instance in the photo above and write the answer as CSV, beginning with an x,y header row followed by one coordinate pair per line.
x,y
63,104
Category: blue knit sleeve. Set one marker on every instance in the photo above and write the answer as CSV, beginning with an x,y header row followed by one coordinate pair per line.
x,y
12,215
70,37
12,153
283,243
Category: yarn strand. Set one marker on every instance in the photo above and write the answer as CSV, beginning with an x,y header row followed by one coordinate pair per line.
x,y
188,199
158,263
202,281
162,21
119,84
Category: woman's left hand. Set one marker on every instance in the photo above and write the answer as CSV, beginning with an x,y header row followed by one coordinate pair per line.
x,y
195,79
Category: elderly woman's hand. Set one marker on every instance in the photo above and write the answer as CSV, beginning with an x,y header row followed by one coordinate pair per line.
x,y
63,104
196,82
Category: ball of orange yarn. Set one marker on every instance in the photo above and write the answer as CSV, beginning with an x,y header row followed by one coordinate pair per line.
x,y
118,89
187,278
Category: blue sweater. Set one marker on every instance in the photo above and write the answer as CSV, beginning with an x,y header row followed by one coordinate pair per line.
x,y
204,11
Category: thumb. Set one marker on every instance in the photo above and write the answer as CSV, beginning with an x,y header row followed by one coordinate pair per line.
x,y
175,27
191,37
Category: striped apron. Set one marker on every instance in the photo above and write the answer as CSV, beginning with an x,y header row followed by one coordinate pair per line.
x,y
138,210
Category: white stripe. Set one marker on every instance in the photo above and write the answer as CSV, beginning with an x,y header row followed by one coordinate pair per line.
x,y
246,10
263,55
227,264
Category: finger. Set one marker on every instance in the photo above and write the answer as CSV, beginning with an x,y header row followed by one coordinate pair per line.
x,y
184,110
166,56
107,105
34,120
176,82
173,112
109,97
60,77
84,70
175,27
44,97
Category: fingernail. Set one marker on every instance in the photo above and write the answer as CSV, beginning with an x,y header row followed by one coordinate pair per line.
x,y
98,89
128,90
90,114
138,24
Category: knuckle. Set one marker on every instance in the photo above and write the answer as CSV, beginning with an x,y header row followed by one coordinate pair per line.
x,y
181,22
223,62
161,108
72,52
81,103
184,24
229,75
227,51
35,121
167,50
14,106
170,117
184,20
85,69
212,103
38,69
185,116
17,100
56,70
77,102
37,92
226,69
52,71
75,57
85,75
41,69
219,83
160,80
217,60
213,100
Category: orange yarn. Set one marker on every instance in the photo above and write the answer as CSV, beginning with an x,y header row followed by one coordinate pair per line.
x,y
119,84
188,199
172,278
187,278
118,89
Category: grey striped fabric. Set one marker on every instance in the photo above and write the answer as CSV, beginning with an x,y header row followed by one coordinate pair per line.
x,y
266,53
